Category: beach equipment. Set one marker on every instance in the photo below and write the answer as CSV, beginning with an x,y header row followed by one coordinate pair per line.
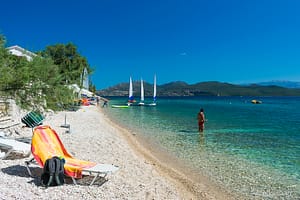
x,y
85,101
46,144
81,91
11,148
33,119
53,172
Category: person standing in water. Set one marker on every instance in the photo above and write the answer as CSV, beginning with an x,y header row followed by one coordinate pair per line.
x,y
201,120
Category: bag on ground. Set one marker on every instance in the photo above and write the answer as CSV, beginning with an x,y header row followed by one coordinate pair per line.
x,y
53,172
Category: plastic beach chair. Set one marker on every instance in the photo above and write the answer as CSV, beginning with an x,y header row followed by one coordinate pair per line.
x,y
46,144
33,119
11,148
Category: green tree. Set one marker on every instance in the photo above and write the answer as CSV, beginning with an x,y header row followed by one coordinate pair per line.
x,y
71,63
92,87
45,84
35,84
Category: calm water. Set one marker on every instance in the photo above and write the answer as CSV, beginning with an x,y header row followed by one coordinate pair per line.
x,y
250,149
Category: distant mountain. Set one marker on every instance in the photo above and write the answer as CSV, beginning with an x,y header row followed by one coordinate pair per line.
x,y
212,88
286,84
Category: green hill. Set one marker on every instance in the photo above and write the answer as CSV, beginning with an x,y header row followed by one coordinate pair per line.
x,y
211,88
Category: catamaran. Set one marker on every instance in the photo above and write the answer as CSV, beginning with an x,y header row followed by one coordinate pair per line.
x,y
154,93
130,97
141,103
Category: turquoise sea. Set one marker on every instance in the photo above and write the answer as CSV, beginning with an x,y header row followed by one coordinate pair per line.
x,y
252,150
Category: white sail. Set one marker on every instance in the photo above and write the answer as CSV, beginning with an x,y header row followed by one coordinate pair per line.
x,y
154,89
154,93
130,97
142,93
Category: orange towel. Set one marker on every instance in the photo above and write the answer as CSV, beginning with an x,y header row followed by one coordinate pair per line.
x,y
46,144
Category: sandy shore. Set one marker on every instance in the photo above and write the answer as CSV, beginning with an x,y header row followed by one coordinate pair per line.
x,y
94,137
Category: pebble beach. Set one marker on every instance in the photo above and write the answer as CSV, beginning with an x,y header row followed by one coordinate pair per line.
x,y
94,137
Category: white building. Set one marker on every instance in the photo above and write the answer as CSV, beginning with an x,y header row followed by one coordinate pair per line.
x,y
19,51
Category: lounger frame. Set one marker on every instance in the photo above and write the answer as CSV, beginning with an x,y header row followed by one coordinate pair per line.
x,y
98,171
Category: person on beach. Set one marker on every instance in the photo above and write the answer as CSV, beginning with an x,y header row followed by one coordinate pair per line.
x,y
201,120
98,99
105,102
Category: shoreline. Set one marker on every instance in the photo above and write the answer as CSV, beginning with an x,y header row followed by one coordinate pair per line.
x,y
92,139
232,156
144,153
95,137
192,185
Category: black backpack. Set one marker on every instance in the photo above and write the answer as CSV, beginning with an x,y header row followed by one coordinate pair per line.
x,y
53,172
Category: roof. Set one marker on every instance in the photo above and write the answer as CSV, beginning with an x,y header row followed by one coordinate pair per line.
x,y
19,51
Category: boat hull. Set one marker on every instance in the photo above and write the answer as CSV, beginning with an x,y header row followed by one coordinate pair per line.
x,y
119,106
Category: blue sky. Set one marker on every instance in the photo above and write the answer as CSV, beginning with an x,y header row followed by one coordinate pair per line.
x,y
235,41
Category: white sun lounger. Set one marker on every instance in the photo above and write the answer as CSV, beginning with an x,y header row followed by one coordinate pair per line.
x,y
98,171
46,144
11,146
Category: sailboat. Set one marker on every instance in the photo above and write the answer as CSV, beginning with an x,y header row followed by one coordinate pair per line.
x,y
154,93
142,94
130,97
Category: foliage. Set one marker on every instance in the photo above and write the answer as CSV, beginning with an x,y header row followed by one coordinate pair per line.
x,y
7,75
37,84
71,64
92,87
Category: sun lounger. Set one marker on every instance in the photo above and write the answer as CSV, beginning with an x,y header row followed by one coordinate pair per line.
x,y
46,144
13,149
33,119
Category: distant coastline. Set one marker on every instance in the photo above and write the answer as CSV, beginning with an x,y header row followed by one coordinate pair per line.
x,y
211,88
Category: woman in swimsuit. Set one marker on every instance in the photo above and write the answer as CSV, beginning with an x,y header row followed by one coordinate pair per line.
x,y
201,120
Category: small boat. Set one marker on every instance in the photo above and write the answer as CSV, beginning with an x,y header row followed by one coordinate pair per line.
x,y
141,103
154,93
254,101
119,106
130,96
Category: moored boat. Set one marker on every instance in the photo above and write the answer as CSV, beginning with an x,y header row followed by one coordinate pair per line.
x,y
254,101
